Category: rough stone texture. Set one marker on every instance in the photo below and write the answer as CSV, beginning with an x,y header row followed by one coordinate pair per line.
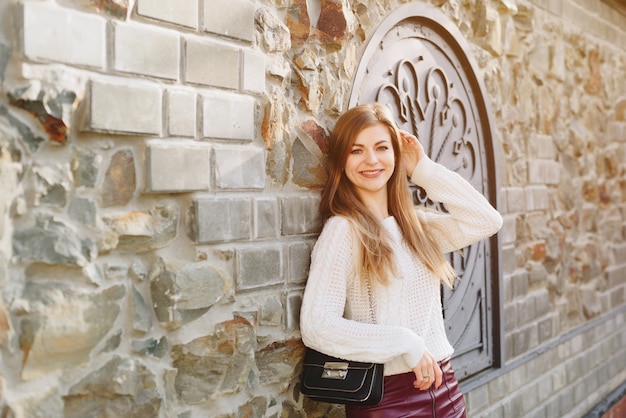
x,y
53,108
119,182
122,387
180,296
215,365
108,149
142,231
63,325
53,242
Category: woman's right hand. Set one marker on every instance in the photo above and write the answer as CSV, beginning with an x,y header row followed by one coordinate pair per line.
x,y
427,372
412,151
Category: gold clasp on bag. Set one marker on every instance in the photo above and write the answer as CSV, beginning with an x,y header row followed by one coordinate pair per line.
x,y
335,370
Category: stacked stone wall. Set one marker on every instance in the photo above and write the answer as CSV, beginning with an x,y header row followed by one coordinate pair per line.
x,y
160,169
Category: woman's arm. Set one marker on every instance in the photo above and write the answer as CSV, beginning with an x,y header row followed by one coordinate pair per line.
x,y
470,216
322,324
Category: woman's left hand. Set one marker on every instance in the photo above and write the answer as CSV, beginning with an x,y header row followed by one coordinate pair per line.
x,y
412,151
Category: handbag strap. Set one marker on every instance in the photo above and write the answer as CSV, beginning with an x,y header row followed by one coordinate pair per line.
x,y
371,299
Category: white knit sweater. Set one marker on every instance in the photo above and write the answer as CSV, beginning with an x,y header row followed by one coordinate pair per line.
x,y
336,318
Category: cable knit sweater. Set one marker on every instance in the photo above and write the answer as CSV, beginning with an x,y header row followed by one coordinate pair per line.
x,y
336,314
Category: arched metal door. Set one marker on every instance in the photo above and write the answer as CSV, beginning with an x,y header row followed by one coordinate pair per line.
x,y
417,63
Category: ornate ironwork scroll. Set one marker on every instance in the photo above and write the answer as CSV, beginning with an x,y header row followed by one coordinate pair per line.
x,y
417,64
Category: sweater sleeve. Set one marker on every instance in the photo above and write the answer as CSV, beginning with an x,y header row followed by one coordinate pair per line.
x,y
470,216
322,322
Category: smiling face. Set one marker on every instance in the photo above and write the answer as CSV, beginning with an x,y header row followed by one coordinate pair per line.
x,y
371,162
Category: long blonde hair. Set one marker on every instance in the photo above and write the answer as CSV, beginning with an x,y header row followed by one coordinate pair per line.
x,y
339,198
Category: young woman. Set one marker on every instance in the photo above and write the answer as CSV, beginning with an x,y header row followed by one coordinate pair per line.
x,y
373,292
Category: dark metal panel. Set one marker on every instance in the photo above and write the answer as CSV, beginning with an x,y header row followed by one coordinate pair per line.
x,y
417,64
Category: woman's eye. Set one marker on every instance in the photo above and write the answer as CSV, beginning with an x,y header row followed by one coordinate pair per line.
x,y
383,148
355,151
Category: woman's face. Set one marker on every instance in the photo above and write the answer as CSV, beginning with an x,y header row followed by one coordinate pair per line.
x,y
371,161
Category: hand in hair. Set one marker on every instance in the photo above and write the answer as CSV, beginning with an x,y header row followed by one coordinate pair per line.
x,y
412,151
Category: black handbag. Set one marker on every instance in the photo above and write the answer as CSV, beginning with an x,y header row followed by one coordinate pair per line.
x,y
329,379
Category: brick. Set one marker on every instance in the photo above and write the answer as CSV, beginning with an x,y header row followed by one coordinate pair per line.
x,y
537,198
574,370
62,35
559,378
510,316
177,166
542,301
141,49
265,218
179,12
493,412
508,346
541,146
218,220
507,288
477,399
526,310
580,392
567,400
239,167
294,302
233,18
618,297
519,281
508,260
228,116
259,267
181,113
543,172
212,64
512,407
616,275
619,252
544,387
529,398
521,341
537,274
545,332
253,77
300,215
553,407
299,260
515,199
508,232
498,389
125,109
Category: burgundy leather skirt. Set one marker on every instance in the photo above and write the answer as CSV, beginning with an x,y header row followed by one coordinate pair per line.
x,y
402,400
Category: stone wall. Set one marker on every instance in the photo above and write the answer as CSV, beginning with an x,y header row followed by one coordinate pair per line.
x,y
159,180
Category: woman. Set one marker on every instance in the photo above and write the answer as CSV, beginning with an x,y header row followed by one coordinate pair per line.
x,y
373,292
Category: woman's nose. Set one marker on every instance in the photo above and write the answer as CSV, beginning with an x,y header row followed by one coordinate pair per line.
x,y
370,157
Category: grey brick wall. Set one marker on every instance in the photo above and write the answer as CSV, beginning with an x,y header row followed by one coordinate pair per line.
x,y
59,35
